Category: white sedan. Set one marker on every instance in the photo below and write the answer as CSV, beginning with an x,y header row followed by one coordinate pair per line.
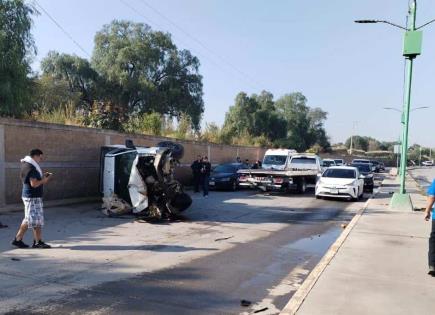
x,y
340,182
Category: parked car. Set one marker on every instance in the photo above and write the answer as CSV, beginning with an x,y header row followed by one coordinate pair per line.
x,y
377,165
339,162
366,170
340,182
328,163
224,176
360,161
427,163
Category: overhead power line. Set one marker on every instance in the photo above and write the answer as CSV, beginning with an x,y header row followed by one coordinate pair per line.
x,y
199,42
240,73
62,29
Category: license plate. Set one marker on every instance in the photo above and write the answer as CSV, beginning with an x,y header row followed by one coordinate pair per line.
x,y
211,183
334,191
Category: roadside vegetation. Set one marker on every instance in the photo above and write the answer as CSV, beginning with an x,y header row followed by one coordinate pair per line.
x,y
138,81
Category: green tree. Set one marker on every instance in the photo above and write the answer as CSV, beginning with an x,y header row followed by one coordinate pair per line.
x,y
211,133
252,117
76,72
145,72
358,143
16,50
149,123
49,94
294,109
317,118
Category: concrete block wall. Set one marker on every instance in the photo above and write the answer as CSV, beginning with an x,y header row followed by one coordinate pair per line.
x,y
72,154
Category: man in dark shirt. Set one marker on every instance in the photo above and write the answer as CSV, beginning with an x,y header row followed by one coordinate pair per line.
x,y
196,171
205,172
33,181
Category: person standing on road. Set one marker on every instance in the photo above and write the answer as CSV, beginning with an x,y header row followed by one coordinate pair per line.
x,y
196,171
33,181
205,172
430,214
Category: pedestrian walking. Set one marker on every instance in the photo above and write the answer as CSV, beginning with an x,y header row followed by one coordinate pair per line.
x,y
205,172
429,214
33,182
196,172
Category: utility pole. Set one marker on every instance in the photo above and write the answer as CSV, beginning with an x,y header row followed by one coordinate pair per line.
x,y
411,49
351,136
419,163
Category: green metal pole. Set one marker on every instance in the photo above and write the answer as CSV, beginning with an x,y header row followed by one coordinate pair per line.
x,y
406,106
407,103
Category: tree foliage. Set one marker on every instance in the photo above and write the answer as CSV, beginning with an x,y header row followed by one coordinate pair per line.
x,y
73,71
287,122
16,50
145,72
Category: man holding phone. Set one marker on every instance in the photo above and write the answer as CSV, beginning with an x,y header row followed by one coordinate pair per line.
x,y
33,181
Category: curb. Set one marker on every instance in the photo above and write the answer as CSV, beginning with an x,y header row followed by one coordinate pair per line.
x,y
299,297
419,187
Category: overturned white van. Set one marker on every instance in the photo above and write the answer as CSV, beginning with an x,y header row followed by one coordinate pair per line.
x,y
141,180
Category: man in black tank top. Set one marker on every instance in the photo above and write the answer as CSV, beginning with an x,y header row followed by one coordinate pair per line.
x,y
33,188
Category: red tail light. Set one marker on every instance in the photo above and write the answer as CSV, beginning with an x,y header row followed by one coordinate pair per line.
x,y
278,180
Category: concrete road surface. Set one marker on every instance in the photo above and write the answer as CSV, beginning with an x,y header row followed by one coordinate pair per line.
x,y
229,247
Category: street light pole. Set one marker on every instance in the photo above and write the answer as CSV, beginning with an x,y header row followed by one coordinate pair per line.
x,y
411,49
407,103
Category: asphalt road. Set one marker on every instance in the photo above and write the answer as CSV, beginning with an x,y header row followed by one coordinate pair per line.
x,y
423,175
229,247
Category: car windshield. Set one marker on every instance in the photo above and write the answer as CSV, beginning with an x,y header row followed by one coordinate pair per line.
x,y
339,173
225,168
275,159
339,161
303,160
328,163
364,168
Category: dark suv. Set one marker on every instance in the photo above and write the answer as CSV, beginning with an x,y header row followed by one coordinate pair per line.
x,y
366,170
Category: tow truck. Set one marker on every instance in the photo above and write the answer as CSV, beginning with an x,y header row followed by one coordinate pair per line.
x,y
283,170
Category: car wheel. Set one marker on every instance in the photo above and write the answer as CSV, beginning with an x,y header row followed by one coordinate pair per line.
x,y
318,197
234,185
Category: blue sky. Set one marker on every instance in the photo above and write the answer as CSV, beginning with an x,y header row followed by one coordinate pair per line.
x,y
350,70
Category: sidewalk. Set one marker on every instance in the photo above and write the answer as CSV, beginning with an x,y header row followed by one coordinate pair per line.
x,y
379,266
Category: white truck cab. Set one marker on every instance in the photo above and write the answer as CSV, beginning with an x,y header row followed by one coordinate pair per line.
x,y
305,162
277,159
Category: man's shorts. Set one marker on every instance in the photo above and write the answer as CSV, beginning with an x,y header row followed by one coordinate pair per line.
x,y
33,212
